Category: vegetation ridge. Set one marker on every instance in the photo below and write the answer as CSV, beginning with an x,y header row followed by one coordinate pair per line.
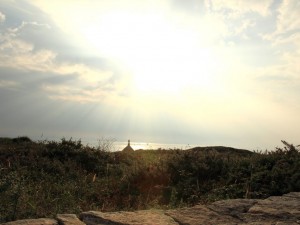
x,y
45,178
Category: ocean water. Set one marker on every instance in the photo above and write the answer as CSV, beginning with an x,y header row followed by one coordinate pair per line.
x,y
119,146
112,145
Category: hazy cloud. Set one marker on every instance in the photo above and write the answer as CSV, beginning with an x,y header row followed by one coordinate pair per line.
x,y
33,46
245,25
68,93
17,53
285,39
288,17
287,22
2,17
9,84
236,8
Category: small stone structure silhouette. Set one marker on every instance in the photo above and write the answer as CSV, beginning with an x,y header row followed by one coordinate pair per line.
x,y
128,148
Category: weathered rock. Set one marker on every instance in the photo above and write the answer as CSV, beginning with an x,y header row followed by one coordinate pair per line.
x,y
276,210
279,206
68,219
200,214
143,217
232,207
41,221
271,211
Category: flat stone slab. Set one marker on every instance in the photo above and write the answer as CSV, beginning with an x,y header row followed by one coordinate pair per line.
x,y
200,214
142,217
279,206
68,219
275,210
41,221
232,207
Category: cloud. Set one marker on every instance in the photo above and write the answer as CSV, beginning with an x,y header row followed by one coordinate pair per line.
x,y
287,22
18,53
280,82
217,75
230,8
237,8
246,24
194,6
75,94
9,84
286,40
2,17
26,25
86,74
26,48
281,79
288,17
226,21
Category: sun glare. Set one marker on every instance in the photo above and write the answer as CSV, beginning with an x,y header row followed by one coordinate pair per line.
x,y
162,55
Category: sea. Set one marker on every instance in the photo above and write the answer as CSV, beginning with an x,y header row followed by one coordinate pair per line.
x,y
111,144
119,146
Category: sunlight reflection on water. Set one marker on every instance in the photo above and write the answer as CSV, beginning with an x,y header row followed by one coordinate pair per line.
x,y
118,146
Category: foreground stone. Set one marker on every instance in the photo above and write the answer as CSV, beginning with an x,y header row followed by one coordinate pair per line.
x,y
271,211
68,219
41,221
142,217
276,210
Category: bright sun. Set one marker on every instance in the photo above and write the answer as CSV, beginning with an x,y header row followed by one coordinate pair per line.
x,y
162,55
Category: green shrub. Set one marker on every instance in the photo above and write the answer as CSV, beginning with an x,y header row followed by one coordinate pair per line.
x,y
41,179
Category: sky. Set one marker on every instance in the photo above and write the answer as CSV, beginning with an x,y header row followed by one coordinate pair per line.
x,y
204,72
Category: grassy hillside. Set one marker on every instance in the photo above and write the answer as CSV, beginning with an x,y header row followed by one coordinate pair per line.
x,y
41,179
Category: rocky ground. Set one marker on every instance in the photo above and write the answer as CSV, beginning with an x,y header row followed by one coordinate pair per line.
x,y
273,210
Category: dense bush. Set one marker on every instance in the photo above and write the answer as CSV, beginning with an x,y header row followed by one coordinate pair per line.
x,y
41,179
209,176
